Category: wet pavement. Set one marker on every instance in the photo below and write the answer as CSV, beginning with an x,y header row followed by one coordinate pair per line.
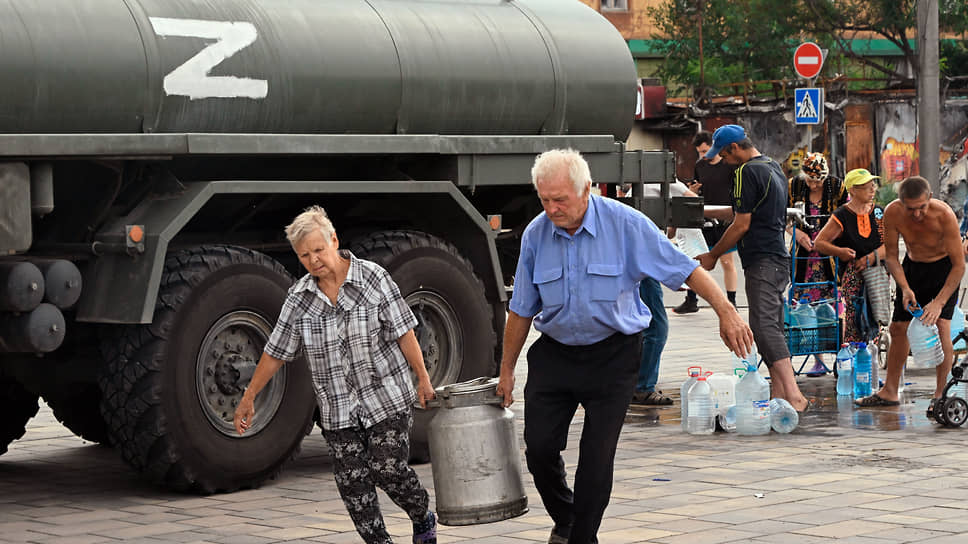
x,y
829,413
845,474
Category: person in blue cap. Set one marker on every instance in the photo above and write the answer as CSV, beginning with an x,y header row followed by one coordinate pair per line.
x,y
759,206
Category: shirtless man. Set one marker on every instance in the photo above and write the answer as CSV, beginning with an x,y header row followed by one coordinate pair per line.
x,y
929,276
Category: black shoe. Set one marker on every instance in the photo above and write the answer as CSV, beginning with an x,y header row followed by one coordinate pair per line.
x,y
559,535
688,306
652,398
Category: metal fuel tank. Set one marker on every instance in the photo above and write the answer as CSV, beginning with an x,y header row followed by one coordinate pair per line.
x,y
470,67
474,455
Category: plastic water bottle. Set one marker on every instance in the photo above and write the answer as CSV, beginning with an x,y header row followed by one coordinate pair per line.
x,y
691,242
862,371
925,343
694,372
845,371
826,314
827,321
701,418
960,389
804,318
876,367
724,389
783,418
727,420
957,325
752,403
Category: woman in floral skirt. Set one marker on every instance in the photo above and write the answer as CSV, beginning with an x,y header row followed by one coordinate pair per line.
x,y
821,194
854,235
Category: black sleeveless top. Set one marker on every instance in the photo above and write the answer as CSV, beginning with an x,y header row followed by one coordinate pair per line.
x,y
862,233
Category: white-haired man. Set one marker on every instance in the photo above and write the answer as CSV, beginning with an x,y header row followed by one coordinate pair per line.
x,y
577,280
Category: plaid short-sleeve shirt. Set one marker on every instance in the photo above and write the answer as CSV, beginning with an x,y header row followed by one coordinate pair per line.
x,y
359,372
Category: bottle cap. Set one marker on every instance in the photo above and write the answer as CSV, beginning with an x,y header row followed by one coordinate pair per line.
x,y
861,345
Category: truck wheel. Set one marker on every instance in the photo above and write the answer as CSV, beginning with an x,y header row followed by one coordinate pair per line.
x,y
80,413
171,387
17,406
455,326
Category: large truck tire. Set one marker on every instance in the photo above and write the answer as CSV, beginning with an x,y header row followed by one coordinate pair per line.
x,y
171,387
17,406
80,412
455,324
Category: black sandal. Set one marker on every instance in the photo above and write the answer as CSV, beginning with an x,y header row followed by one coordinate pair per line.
x,y
875,400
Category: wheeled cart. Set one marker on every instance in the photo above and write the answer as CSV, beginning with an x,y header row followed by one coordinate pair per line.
x,y
824,337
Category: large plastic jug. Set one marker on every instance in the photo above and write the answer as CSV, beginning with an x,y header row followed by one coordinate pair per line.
x,y
804,318
876,367
783,417
694,372
957,325
691,242
700,419
724,391
826,314
862,371
752,403
960,389
845,371
827,323
925,344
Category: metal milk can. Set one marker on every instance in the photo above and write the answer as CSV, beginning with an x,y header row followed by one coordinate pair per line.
x,y
474,455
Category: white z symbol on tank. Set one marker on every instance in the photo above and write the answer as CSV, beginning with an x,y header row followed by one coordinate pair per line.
x,y
192,78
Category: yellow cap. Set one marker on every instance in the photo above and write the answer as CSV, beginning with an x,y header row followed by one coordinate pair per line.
x,y
858,176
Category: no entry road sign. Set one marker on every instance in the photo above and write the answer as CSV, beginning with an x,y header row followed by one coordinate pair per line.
x,y
808,60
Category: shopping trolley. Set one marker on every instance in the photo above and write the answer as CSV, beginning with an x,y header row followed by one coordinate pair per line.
x,y
811,340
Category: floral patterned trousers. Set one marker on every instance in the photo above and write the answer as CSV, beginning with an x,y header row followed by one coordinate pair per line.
x,y
364,458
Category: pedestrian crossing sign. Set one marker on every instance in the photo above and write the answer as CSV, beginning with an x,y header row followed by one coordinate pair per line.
x,y
808,106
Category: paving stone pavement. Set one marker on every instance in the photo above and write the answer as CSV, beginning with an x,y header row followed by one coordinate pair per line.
x,y
874,476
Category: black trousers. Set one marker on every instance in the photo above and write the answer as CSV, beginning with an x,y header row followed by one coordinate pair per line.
x,y
601,378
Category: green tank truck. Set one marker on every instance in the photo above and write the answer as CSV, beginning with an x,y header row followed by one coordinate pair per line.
x,y
152,151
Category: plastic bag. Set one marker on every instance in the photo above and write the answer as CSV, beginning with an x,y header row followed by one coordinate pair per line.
x,y
877,285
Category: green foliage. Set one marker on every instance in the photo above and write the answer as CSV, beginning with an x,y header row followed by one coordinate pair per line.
x,y
742,41
753,40
893,20
953,59
885,195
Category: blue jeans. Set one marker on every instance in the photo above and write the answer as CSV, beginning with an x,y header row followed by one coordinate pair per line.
x,y
653,338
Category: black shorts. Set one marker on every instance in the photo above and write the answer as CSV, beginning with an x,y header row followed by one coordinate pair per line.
x,y
713,233
926,280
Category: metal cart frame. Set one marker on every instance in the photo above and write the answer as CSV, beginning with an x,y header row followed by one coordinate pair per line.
x,y
811,341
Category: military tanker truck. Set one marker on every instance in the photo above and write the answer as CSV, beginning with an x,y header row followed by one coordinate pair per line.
x,y
152,151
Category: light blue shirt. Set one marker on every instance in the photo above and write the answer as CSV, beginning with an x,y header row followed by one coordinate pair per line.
x,y
583,288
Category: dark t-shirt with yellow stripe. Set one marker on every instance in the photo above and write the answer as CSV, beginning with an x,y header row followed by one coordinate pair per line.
x,y
760,189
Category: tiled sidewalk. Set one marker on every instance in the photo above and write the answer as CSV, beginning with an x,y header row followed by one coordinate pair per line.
x,y
841,476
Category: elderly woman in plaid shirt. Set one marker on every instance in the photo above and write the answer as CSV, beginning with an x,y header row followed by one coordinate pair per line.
x,y
357,333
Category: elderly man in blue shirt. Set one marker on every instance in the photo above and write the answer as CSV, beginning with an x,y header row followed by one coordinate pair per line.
x,y
578,280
